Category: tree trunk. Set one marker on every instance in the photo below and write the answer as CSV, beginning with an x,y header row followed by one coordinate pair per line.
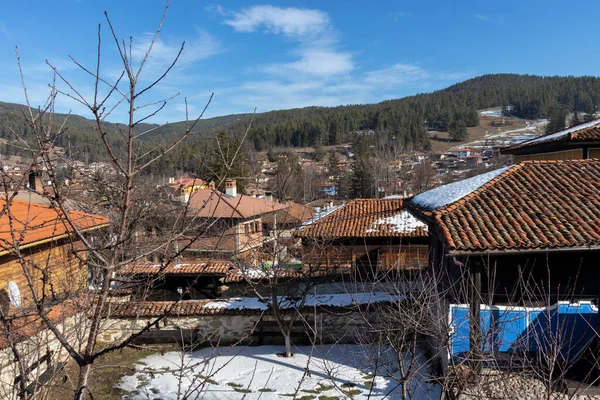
x,y
83,392
288,344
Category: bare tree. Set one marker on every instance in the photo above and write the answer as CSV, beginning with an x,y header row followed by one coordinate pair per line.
x,y
121,188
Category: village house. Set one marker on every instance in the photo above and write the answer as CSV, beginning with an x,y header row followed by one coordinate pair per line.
x,y
230,224
48,247
365,236
579,142
518,238
185,186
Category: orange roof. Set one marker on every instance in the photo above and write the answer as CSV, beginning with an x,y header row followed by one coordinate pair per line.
x,y
26,323
367,218
27,224
296,213
211,203
185,181
532,205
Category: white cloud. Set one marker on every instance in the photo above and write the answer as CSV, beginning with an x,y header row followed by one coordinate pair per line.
x,y
314,62
316,52
397,74
291,21
163,53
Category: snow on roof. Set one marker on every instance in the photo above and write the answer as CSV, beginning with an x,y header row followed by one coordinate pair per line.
x,y
446,194
320,215
404,222
285,302
560,134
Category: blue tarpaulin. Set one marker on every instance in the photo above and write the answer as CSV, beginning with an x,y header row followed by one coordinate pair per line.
x,y
568,327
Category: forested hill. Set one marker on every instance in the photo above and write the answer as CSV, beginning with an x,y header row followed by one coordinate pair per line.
x,y
404,121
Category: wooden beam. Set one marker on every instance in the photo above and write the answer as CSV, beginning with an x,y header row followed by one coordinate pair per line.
x,y
475,315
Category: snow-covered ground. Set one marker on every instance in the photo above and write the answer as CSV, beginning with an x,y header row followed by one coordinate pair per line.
x,y
510,137
322,372
333,300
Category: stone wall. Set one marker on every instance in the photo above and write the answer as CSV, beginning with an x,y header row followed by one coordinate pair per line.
x,y
325,327
35,347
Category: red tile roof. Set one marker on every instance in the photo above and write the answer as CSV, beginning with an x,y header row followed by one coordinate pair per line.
x,y
295,213
26,323
186,181
199,308
212,267
532,205
367,218
31,223
210,203
588,132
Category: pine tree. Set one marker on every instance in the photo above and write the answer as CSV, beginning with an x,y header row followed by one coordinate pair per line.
x,y
557,121
574,119
362,183
590,115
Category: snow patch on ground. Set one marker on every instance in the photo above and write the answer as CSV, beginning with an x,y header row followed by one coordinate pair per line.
x,y
563,133
491,113
341,371
333,300
404,222
446,194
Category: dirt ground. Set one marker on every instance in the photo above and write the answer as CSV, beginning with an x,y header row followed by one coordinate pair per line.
x,y
107,372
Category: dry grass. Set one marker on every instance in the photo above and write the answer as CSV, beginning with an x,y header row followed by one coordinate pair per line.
x,y
108,371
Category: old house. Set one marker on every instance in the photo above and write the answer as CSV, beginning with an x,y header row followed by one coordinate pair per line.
x,y
230,225
36,240
185,186
579,142
522,239
365,235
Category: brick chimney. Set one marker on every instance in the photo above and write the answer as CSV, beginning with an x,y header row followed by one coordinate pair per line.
x,y
230,188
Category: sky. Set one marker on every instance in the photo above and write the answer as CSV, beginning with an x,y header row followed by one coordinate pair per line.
x,y
287,54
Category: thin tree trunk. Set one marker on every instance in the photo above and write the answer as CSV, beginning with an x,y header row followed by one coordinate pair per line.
x,y
288,344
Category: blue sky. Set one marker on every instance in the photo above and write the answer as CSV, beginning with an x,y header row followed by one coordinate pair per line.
x,y
287,54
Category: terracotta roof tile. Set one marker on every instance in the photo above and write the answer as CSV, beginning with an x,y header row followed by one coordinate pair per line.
x,y
28,322
211,203
189,308
532,205
367,218
34,222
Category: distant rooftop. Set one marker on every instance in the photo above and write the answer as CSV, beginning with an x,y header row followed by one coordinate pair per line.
x,y
588,132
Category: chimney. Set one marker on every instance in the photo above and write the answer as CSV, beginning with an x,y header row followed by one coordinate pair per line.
x,y
211,185
230,188
269,196
32,180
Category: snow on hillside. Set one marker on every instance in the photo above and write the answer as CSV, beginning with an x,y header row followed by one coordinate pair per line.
x,y
336,371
